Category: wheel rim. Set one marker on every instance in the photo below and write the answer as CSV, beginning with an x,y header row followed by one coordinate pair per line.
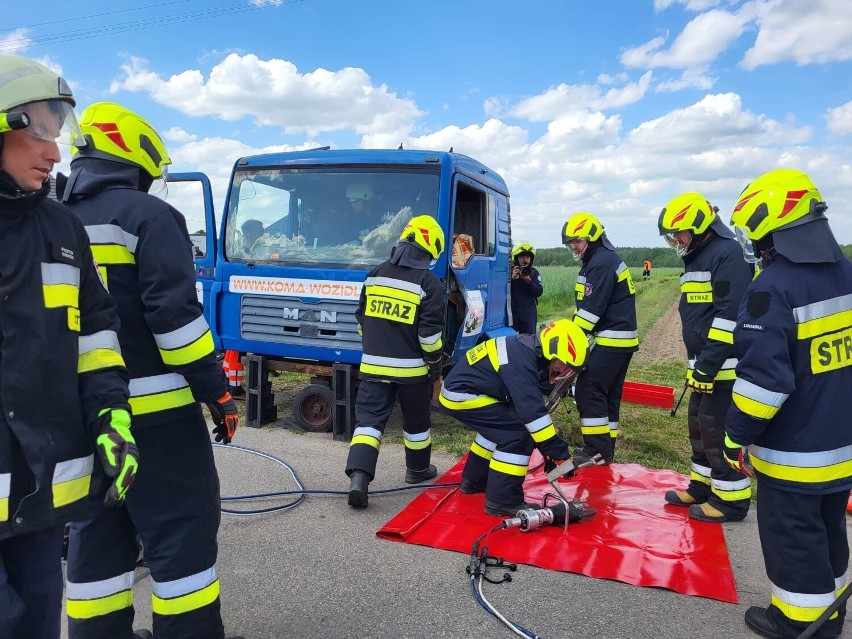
x,y
315,410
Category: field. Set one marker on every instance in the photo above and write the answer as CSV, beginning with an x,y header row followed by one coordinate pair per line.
x,y
648,436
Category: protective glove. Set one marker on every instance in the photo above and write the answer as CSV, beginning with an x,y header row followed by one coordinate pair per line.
x,y
118,452
699,382
555,448
225,417
550,463
737,457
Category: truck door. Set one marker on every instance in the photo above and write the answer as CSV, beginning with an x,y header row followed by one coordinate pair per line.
x,y
190,193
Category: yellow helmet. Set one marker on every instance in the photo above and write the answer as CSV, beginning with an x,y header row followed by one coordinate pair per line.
x,y
582,226
114,132
687,212
523,247
775,200
565,341
425,232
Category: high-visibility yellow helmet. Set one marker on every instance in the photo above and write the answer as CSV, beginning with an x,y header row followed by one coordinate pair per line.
x,y
425,232
775,200
687,212
523,247
115,132
565,341
582,226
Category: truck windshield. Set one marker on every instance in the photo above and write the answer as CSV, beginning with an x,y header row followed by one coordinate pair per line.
x,y
330,215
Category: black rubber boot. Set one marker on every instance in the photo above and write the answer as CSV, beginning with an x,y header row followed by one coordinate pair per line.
x,y
502,510
418,476
759,621
358,483
469,488
142,634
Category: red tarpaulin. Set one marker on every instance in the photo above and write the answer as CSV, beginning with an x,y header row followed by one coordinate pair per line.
x,y
635,537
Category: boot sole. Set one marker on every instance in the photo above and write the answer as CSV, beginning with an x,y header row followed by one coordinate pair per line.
x,y
357,499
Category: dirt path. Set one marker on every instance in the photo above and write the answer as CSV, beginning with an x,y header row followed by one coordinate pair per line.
x,y
663,341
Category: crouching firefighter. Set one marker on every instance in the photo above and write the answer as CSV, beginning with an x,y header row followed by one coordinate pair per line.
x,y
143,250
712,285
401,315
495,391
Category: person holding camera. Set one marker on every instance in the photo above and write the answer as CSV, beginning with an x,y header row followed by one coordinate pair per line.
x,y
526,289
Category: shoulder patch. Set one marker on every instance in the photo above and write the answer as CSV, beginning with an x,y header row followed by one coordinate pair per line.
x,y
751,326
758,303
589,289
721,288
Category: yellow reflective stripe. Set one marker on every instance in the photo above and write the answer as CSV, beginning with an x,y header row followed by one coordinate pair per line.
x,y
58,295
732,495
696,287
88,608
4,509
480,451
805,614
595,430
720,336
390,371
804,475
585,324
112,254
726,375
394,294
97,359
431,348
161,401
72,490
545,433
193,352
821,325
186,603
365,439
467,404
753,407
415,445
699,477
508,469
616,342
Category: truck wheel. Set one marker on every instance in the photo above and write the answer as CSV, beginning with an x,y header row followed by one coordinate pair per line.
x,y
312,408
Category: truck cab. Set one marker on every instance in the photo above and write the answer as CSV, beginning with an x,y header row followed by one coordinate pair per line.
x,y
281,279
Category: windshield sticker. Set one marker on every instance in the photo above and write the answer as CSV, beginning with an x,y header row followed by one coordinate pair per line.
x,y
475,317
295,287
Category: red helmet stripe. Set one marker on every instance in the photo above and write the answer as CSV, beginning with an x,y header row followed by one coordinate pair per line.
x,y
110,129
572,350
682,214
744,200
425,234
793,198
580,226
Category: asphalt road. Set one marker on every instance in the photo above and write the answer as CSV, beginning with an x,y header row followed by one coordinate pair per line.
x,y
319,571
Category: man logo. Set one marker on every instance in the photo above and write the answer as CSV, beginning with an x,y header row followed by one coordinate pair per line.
x,y
309,315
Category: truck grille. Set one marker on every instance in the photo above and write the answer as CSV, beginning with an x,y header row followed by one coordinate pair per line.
x,y
286,320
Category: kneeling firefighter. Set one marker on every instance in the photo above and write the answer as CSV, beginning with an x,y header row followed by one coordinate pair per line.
x,y
495,390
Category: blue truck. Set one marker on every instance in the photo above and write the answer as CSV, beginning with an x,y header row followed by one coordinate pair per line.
x,y
281,279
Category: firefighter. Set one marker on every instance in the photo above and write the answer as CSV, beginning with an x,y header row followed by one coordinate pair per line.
x,y
143,249
495,390
646,269
792,399
605,307
401,318
63,383
712,285
526,289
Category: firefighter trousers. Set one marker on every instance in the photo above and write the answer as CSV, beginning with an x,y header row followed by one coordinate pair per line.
x,y
31,585
598,394
500,453
712,480
174,509
373,408
806,552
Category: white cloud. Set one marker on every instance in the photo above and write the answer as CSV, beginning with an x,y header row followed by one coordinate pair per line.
x,y
606,78
179,135
696,78
702,40
567,98
15,42
803,31
274,93
689,5
840,119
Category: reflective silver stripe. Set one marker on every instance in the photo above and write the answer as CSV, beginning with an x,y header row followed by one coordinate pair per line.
x,y
594,421
182,336
429,340
620,268
5,484
402,285
589,317
73,469
803,600
458,397
184,585
816,459
695,276
141,386
419,437
487,444
618,334
54,273
724,324
613,425
698,469
581,279
99,589
822,309
511,458
368,431
758,393
102,339
839,582
393,362
537,424
112,234
740,484
728,364
502,355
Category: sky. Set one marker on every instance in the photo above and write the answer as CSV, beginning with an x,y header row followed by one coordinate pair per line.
x,y
607,106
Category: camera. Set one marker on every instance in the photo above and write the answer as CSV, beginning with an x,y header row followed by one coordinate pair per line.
x,y
526,270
